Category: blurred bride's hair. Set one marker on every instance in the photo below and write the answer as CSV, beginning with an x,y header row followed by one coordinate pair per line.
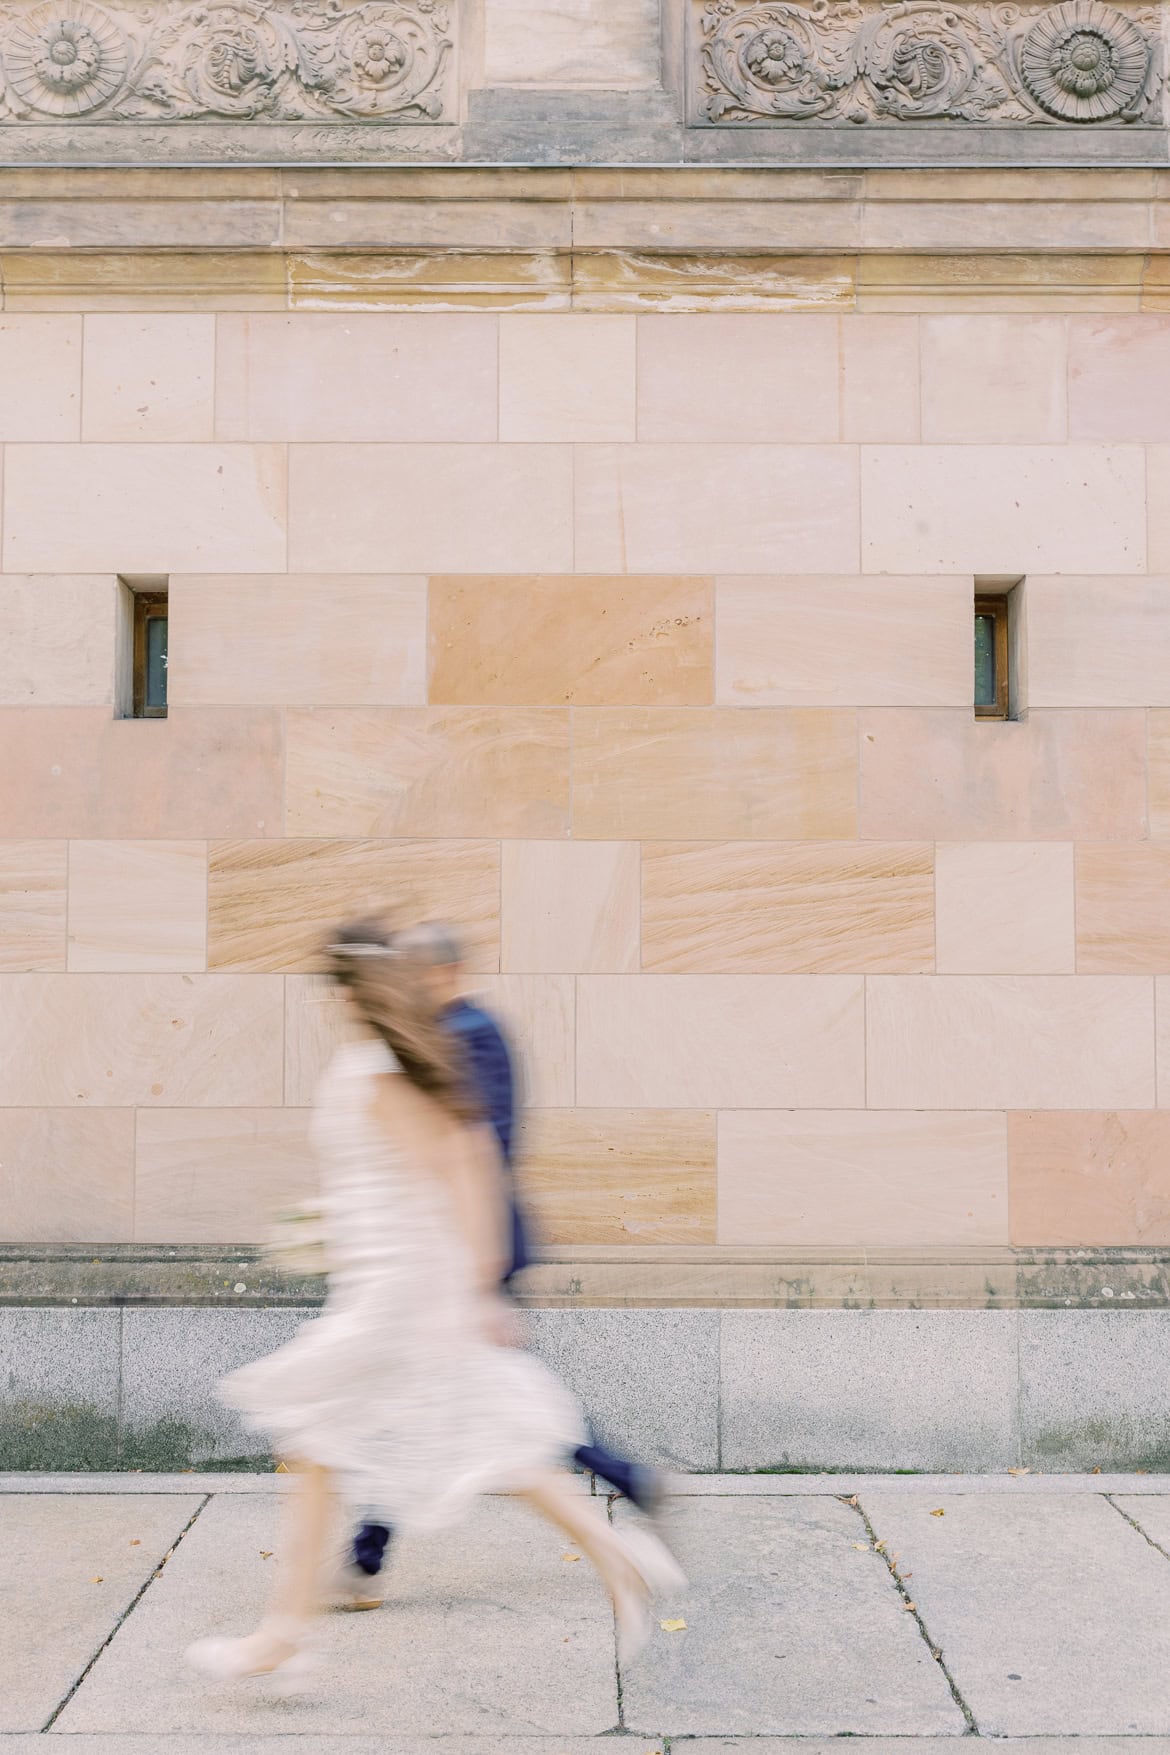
x,y
387,983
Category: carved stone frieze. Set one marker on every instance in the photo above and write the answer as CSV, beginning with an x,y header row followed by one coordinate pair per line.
x,y
835,61
215,60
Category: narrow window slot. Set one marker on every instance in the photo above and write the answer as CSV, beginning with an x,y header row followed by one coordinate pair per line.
x,y
143,649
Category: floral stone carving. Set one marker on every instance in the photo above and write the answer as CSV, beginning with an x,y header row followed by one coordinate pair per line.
x,y
921,60
280,60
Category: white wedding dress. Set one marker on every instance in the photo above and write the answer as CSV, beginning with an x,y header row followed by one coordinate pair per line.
x,y
392,1386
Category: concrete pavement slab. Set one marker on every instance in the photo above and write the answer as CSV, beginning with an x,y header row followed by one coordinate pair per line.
x,y
68,1569
487,1630
1151,1515
285,1745
920,1746
794,1627
1053,1615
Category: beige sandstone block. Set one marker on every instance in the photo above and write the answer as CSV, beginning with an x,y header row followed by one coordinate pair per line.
x,y
1158,748
1028,280
972,219
1005,908
1062,774
316,640
1158,506
613,44
606,1176
40,371
1123,917
148,376
366,376
791,909
219,1175
272,904
1003,509
144,508
352,219
427,771
143,280
840,642
1096,1178
567,377
440,508
1098,642
316,1023
1009,1042
989,379
773,774
717,508
616,220
430,280
879,379
137,905
720,1041
58,645
754,379
571,640
894,1180
66,1175
687,280
201,771
1162,1037
1119,377
149,1040
32,905
569,906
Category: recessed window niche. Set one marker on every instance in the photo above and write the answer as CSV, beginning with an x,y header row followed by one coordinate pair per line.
x,y
141,689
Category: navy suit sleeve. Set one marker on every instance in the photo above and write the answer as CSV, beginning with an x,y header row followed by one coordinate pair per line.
x,y
491,1069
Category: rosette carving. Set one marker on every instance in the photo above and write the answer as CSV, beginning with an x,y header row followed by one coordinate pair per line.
x,y
1085,62
65,58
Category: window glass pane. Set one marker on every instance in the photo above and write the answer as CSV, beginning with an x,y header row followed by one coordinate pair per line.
x,y
156,661
985,690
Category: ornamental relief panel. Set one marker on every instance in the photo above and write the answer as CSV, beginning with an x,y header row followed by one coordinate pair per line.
x,y
243,60
839,61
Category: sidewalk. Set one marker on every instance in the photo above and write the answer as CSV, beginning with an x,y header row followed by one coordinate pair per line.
x,y
1032,1607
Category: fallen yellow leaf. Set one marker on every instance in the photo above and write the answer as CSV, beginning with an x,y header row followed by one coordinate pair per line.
x,y
673,1626
879,1547
862,1547
910,1607
136,1543
1019,1471
570,1557
97,1581
266,1553
939,1513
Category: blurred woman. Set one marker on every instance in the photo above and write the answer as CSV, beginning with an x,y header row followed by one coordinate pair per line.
x,y
402,1394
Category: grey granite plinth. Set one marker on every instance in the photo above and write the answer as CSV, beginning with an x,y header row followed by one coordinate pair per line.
x,y
1095,1388
59,1388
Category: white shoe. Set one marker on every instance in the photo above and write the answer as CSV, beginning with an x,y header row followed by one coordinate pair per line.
x,y
659,1574
232,1660
351,1588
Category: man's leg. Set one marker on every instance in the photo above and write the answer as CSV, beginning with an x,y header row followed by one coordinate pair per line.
x,y
640,1485
369,1547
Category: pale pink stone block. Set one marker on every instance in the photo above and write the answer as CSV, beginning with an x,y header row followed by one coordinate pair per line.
x,y
33,905
1059,775
1095,1179
989,378
40,378
843,642
1003,509
1158,506
58,639
879,378
148,375
1119,376
219,1175
567,376
720,1041
1004,908
138,905
66,1175
763,378
116,1040
897,1180
1009,1042
716,508
569,906
431,508
1098,642
144,508
323,376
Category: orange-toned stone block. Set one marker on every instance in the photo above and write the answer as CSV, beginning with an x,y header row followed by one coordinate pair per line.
x,y
219,1175
1009,1041
716,509
720,773
993,379
461,771
1158,758
1119,377
323,640
152,1040
271,904
1059,775
572,641
735,378
138,905
202,771
66,1175
567,376
40,369
1098,1178
838,642
720,1041
32,905
439,508
570,906
58,646
715,908
816,1178
148,375
317,376
1123,909
1004,908
879,378
1098,642
635,1176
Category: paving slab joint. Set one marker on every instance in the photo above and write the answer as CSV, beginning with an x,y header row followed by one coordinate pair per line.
x,y
1134,1524
121,1619
911,1607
